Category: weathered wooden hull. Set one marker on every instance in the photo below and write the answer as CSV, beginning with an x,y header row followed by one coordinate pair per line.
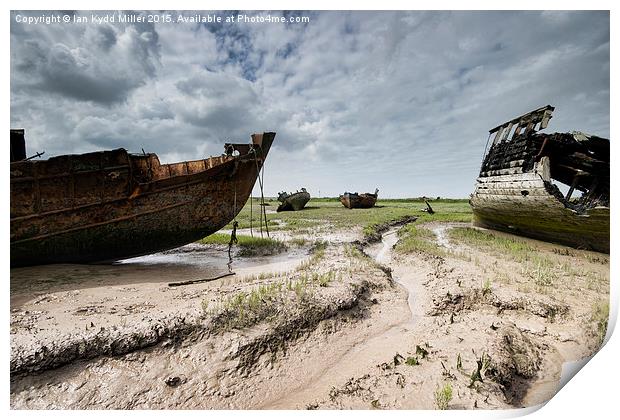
x,y
515,190
498,203
294,202
358,201
112,205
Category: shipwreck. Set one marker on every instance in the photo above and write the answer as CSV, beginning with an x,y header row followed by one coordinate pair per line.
x,y
294,201
359,201
516,189
110,205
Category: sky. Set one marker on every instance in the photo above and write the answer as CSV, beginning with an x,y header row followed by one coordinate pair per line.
x,y
399,101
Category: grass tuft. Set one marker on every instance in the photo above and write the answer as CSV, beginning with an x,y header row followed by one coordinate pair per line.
x,y
249,246
600,315
417,239
443,396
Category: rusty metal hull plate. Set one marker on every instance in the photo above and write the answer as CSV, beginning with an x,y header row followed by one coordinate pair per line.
x,y
111,205
294,202
358,201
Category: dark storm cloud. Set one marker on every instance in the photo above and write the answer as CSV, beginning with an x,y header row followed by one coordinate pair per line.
x,y
414,93
99,63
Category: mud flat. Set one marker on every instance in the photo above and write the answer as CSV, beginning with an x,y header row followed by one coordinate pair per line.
x,y
382,321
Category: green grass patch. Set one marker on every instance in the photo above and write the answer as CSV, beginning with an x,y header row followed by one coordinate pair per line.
x,y
414,238
319,279
412,361
298,242
249,246
330,211
247,308
266,302
600,315
443,396
317,252
517,248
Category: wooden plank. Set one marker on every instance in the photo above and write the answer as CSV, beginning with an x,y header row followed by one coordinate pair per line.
x,y
527,176
516,192
515,184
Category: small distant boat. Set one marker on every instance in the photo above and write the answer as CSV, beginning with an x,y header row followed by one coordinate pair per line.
x,y
516,191
295,201
359,201
110,205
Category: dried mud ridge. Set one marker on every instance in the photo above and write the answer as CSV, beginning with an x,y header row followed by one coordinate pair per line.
x,y
117,341
380,229
474,298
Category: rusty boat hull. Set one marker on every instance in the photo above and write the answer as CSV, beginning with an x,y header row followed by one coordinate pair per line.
x,y
293,202
358,201
111,205
515,191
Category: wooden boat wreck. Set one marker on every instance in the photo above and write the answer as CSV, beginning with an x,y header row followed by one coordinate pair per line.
x,y
359,201
110,205
515,190
294,201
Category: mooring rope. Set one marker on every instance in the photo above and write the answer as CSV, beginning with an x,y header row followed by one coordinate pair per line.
x,y
263,199
262,196
233,234
233,240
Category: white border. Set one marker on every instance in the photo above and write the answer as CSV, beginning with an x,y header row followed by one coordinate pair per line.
x,y
592,394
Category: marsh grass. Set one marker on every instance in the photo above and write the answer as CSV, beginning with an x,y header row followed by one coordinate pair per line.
x,y
543,271
330,211
265,302
298,242
249,246
317,253
412,361
600,316
443,396
486,287
414,238
246,308
517,249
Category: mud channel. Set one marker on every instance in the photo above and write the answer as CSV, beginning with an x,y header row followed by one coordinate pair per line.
x,y
352,325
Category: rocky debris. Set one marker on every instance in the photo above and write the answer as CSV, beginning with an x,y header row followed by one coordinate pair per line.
x,y
174,381
354,387
459,301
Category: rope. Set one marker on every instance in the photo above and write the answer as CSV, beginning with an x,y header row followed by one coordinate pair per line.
x,y
233,240
251,199
263,201
262,197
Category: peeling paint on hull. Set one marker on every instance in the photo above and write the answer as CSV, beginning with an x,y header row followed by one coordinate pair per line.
x,y
111,205
295,202
538,215
515,191
359,201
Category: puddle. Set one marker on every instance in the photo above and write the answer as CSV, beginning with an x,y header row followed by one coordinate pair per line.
x,y
146,273
441,236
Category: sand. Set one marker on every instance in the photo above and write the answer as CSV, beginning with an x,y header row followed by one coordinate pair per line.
x,y
387,331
